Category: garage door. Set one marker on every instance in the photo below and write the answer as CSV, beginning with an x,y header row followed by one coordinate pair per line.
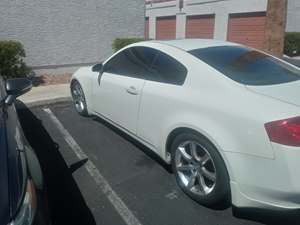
x,y
247,29
147,28
166,28
201,26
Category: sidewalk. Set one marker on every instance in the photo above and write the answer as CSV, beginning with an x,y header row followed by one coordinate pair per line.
x,y
296,58
293,60
46,95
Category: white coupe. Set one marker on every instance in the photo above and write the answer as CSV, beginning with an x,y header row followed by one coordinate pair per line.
x,y
227,117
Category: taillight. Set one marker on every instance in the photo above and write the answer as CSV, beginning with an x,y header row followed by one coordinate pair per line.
x,y
285,132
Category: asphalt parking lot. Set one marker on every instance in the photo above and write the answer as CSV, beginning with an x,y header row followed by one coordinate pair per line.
x,y
95,174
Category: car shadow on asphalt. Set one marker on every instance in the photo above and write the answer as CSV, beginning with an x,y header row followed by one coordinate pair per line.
x,y
269,217
66,203
137,144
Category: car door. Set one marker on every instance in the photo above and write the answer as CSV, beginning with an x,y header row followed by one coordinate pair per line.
x,y
4,187
117,94
15,156
163,97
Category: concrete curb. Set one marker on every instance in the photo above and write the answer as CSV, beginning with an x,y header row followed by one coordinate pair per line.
x,y
45,95
45,102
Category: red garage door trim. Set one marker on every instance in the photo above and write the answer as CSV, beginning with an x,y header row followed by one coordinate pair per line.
x,y
200,26
146,28
166,28
247,29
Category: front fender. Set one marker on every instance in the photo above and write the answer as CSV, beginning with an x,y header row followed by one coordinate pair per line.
x,y
85,76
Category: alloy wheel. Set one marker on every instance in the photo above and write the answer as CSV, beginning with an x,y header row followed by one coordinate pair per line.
x,y
78,97
195,168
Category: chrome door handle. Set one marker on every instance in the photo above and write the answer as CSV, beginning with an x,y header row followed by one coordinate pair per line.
x,y
132,90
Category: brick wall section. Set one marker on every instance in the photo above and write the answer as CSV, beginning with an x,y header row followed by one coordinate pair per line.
x,y
275,27
56,32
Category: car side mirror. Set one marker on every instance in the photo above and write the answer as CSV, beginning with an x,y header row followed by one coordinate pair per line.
x,y
97,68
15,88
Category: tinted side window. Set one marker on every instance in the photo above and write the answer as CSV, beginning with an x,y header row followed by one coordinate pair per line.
x,y
166,69
145,55
126,64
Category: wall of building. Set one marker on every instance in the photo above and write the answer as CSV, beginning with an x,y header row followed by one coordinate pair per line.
x,y
221,9
69,32
293,16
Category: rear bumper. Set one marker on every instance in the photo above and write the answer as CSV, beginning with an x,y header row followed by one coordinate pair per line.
x,y
266,183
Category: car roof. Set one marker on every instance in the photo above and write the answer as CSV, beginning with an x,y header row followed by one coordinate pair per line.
x,y
191,44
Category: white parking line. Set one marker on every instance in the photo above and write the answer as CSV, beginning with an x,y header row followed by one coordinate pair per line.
x,y
102,183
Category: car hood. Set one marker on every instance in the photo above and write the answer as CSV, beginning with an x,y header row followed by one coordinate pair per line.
x,y
84,70
287,92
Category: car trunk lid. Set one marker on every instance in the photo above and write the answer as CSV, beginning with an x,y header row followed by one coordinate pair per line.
x,y
286,92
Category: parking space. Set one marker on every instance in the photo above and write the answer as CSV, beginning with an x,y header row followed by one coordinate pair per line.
x,y
95,174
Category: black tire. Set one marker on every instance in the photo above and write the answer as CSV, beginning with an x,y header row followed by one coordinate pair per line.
x,y
79,101
220,194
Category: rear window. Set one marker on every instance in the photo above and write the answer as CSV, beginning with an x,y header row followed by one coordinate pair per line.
x,y
247,66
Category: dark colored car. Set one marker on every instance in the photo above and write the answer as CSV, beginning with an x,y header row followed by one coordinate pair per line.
x,y
22,194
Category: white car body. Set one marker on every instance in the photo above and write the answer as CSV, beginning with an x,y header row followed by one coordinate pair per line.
x,y
231,115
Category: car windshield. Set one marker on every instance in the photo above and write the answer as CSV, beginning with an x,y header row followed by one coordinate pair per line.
x,y
247,66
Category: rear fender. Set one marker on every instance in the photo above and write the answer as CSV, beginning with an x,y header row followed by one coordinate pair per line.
x,y
219,134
